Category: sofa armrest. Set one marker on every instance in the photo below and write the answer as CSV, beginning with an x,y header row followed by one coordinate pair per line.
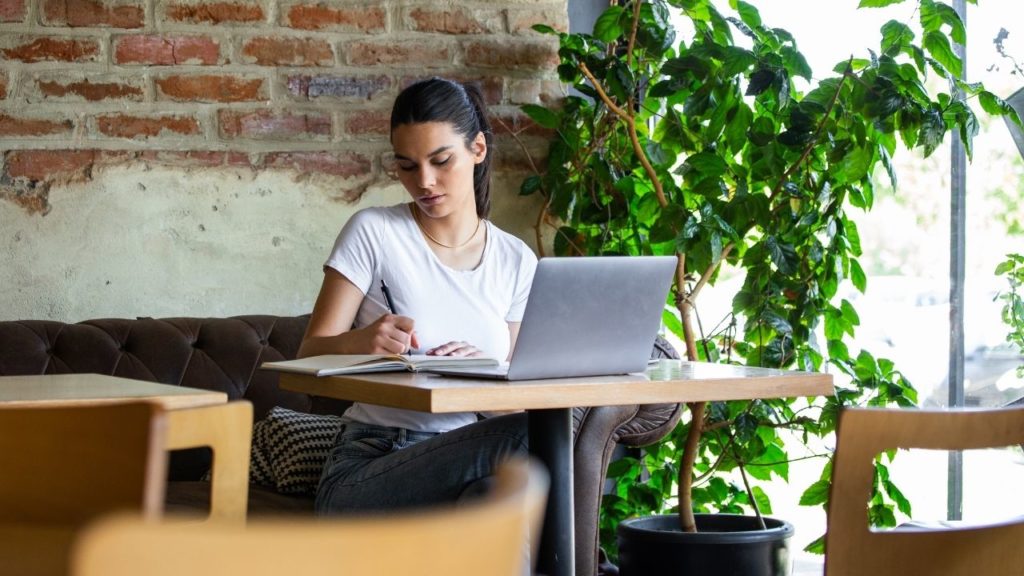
x,y
227,430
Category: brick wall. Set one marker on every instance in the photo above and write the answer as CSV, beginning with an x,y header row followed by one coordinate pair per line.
x,y
292,85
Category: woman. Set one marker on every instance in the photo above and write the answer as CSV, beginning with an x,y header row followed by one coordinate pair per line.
x,y
458,286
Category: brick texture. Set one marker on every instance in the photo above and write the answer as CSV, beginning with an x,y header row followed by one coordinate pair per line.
x,y
507,54
36,165
186,159
358,87
276,51
521,21
417,53
215,12
347,19
453,21
12,126
51,49
266,124
535,91
491,86
344,164
164,50
369,122
301,86
81,13
211,88
88,90
129,126
13,10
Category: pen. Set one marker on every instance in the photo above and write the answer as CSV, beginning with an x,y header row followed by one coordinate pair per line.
x,y
389,302
387,296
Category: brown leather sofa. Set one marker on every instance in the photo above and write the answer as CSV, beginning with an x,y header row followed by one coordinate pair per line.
x,y
224,354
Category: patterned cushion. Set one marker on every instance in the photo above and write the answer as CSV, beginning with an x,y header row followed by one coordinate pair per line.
x,y
289,450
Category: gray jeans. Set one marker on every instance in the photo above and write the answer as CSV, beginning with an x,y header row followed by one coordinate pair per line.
x,y
376,468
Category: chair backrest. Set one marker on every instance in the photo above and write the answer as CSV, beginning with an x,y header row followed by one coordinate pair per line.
x,y
852,548
66,466
487,536
227,430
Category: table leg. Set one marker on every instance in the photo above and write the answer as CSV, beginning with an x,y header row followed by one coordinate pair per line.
x,y
551,442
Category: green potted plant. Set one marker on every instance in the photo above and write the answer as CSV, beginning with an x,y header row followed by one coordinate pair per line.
x,y
1012,269
732,156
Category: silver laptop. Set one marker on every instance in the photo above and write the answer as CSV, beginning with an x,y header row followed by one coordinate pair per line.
x,y
586,316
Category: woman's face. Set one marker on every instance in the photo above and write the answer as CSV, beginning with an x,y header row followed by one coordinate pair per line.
x,y
436,167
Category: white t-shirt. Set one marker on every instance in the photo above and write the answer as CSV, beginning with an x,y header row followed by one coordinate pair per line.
x,y
474,306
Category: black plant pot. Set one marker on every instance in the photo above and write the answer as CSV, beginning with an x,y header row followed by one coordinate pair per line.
x,y
724,545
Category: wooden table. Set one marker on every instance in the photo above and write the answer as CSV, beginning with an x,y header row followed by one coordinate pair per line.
x,y
93,389
90,389
549,404
194,418
44,549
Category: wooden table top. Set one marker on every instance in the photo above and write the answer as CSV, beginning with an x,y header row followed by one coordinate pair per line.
x,y
666,381
88,389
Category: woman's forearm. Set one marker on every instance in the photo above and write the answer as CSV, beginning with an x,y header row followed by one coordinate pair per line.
x,y
343,343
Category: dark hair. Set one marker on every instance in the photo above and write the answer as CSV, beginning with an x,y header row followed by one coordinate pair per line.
x,y
460,105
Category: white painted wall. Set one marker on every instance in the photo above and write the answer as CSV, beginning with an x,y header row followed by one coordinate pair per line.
x,y
162,242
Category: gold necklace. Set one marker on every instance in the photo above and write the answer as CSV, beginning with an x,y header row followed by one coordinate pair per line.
x,y
416,216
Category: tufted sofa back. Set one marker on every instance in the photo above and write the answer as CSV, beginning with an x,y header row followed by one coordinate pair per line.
x,y
210,353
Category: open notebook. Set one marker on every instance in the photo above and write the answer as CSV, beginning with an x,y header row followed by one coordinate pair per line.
x,y
334,364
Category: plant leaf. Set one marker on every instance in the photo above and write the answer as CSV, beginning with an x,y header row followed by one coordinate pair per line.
x,y
895,36
935,14
933,130
541,115
816,547
530,185
750,16
783,255
993,104
760,80
764,504
857,276
608,26
937,45
815,494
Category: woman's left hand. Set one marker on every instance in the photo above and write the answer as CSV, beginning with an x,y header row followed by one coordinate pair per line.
x,y
455,349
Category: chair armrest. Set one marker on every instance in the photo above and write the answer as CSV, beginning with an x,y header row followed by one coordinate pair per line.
x,y
227,430
651,423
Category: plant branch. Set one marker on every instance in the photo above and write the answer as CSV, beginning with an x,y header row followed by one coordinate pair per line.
x,y
789,461
753,501
632,33
817,132
547,196
721,456
686,468
630,121
711,269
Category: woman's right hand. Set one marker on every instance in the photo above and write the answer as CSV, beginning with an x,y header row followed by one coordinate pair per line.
x,y
389,334
330,326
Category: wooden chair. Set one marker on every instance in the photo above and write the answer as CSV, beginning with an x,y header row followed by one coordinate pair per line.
x,y
63,467
853,548
227,430
484,537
